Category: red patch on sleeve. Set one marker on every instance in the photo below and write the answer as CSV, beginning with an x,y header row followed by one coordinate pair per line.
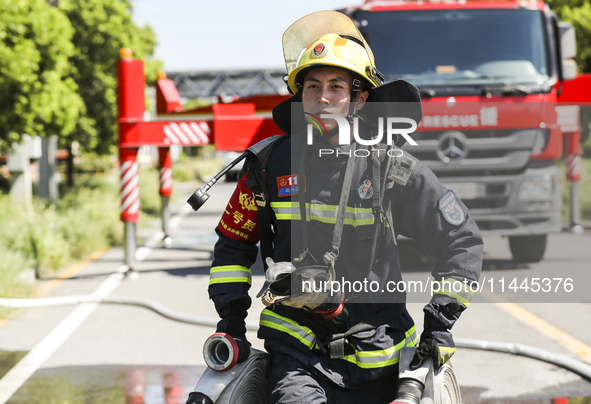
x,y
239,221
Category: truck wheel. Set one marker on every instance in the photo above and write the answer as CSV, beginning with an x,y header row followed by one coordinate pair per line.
x,y
528,248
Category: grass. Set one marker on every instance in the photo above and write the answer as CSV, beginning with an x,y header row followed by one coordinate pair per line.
x,y
48,238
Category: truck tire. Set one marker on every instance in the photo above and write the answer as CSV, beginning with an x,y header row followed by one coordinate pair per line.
x,y
528,248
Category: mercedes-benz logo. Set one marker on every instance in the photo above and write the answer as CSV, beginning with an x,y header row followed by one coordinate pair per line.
x,y
452,146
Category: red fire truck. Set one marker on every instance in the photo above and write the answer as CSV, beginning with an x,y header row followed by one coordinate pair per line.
x,y
491,75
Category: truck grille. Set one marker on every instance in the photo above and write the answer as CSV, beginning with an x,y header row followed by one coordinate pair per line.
x,y
487,152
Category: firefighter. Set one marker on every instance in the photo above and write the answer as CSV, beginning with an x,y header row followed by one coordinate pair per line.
x,y
340,349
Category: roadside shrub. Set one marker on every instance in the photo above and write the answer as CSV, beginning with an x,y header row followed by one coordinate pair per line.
x,y
97,208
48,247
12,279
150,204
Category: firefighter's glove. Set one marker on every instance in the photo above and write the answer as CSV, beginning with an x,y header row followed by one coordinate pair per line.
x,y
198,398
436,340
437,345
277,281
243,348
232,318
300,287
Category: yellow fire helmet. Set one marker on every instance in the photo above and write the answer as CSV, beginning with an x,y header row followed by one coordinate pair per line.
x,y
327,38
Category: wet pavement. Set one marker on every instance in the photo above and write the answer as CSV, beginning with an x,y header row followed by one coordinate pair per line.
x,y
110,385
172,384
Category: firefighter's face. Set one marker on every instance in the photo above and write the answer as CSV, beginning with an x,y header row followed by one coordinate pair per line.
x,y
327,90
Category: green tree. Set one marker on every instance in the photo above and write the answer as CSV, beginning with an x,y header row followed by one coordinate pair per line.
x,y
577,12
38,97
102,28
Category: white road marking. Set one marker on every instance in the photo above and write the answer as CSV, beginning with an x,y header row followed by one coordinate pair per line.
x,y
20,373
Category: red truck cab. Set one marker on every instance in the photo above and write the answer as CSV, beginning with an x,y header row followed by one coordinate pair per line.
x,y
490,74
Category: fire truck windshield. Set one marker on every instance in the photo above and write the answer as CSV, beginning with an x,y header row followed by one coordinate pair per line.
x,y
459,47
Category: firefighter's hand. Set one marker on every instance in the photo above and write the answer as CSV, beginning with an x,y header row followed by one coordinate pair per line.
x,y
277,278
243,348
278,274
198,398
435,344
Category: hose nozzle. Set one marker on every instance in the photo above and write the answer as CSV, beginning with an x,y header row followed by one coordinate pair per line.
x,y
198,198
201,196
221,352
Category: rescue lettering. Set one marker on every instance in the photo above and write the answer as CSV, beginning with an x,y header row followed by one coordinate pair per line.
x,y
488,116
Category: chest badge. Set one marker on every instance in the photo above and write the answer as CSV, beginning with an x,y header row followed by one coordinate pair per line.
x,y
288,185
365,189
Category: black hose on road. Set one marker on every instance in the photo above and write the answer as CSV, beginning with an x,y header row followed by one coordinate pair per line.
x,y
574,365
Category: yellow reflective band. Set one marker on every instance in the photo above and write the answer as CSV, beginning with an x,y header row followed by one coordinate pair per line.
x,y
275,321
382,357
445,353
376,359
286,210
230,274
453,288
411,336
354,216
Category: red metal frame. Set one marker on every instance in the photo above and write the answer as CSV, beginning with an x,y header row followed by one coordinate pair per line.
x,y
230,127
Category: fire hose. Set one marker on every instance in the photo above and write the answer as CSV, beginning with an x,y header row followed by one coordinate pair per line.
x,y
133,301
256,362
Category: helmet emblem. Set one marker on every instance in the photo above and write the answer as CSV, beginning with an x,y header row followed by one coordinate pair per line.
x,y
318,51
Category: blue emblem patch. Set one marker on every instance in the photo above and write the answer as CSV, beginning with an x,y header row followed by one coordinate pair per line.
x,y
451,209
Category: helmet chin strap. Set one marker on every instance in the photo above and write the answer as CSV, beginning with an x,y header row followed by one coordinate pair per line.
x,y
356,89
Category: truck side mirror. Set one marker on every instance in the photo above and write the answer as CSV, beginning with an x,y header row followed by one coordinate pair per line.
x,y
569,70
568,50
568,41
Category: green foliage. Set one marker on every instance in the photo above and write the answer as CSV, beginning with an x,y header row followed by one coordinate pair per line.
x,y
149,183
38,97
11,270
58,68
102,28
96,206
577,12
48,238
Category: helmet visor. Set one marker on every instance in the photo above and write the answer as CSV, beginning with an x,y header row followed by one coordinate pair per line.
x,y
312,27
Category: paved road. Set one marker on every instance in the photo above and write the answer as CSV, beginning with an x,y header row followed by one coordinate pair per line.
x,y
111,353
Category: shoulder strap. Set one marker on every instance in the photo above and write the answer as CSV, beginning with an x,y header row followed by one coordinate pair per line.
x,y
258,157
381,215
330,256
